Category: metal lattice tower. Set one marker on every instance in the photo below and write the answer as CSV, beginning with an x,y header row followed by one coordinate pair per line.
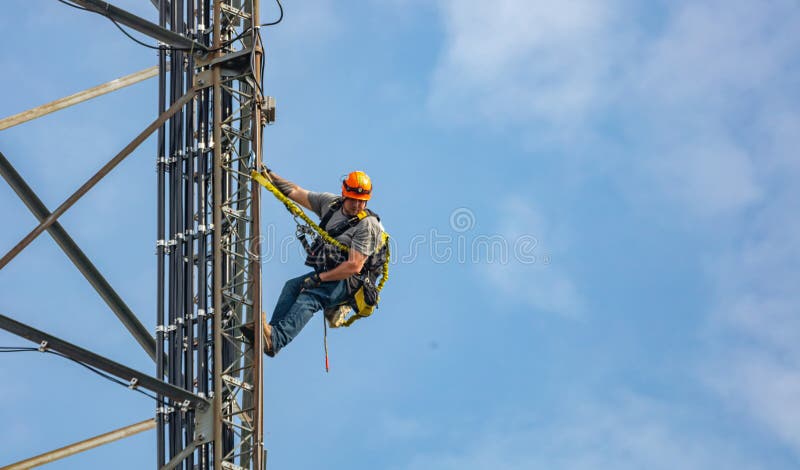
x,y
212,112
211,202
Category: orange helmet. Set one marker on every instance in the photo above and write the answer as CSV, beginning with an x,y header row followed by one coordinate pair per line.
x,y
357,185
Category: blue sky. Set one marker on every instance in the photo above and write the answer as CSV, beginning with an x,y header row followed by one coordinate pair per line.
x,y
636,160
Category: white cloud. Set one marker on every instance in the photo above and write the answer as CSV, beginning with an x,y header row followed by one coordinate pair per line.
x,y
713,51
756,324
683,86
627,432
763,385
708,178
533,273
705,95
514,60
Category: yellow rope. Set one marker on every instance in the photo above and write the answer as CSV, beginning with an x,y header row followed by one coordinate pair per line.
x,y
379,287
296,211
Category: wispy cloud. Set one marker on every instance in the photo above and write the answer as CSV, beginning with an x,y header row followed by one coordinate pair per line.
x,y
704,102
535,275
516,60
682,87
626,432
756,324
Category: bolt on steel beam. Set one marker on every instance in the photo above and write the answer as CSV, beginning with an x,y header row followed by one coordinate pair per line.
x,y
136,378
79,259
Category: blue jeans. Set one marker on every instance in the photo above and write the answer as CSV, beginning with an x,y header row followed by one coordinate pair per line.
x,y
295,308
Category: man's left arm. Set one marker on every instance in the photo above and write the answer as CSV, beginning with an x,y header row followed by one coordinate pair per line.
x,y
363,241
353,265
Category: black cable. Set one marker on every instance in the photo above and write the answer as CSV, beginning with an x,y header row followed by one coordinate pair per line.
x,y
78,7
102,374
280,18
140,42
73,5
183,49
16,349
96,371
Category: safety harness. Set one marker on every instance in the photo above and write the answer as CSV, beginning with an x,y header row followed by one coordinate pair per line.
x,y
325,251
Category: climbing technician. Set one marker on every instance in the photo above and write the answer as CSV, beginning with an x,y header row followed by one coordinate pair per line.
x,y
348,251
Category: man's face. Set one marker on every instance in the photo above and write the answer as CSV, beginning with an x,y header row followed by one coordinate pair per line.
x,y
351,206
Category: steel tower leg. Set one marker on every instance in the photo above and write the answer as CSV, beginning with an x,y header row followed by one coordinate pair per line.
x,y
209,273
237,273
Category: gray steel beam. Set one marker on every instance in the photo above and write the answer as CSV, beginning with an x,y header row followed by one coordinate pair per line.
x,y
76,98
81,446
140,24
136,378
79,259
97,177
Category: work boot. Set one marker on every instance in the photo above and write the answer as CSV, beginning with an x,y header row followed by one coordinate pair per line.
x,y
248,332
268,339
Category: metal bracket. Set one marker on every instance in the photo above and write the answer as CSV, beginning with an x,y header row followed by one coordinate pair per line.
x,y
165,329
203,79
134,384
164,410
237,383
204,425
234,63
43,346
268,109
230,466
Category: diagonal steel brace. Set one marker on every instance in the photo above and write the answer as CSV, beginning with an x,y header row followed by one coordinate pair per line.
x,y
78,258
106,169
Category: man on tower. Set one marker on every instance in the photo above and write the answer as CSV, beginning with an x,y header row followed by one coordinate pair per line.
x,y
337,275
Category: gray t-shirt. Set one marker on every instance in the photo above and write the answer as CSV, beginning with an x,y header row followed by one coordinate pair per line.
x,y
364,237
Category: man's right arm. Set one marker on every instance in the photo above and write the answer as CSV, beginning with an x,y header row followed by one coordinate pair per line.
x,y
291,190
